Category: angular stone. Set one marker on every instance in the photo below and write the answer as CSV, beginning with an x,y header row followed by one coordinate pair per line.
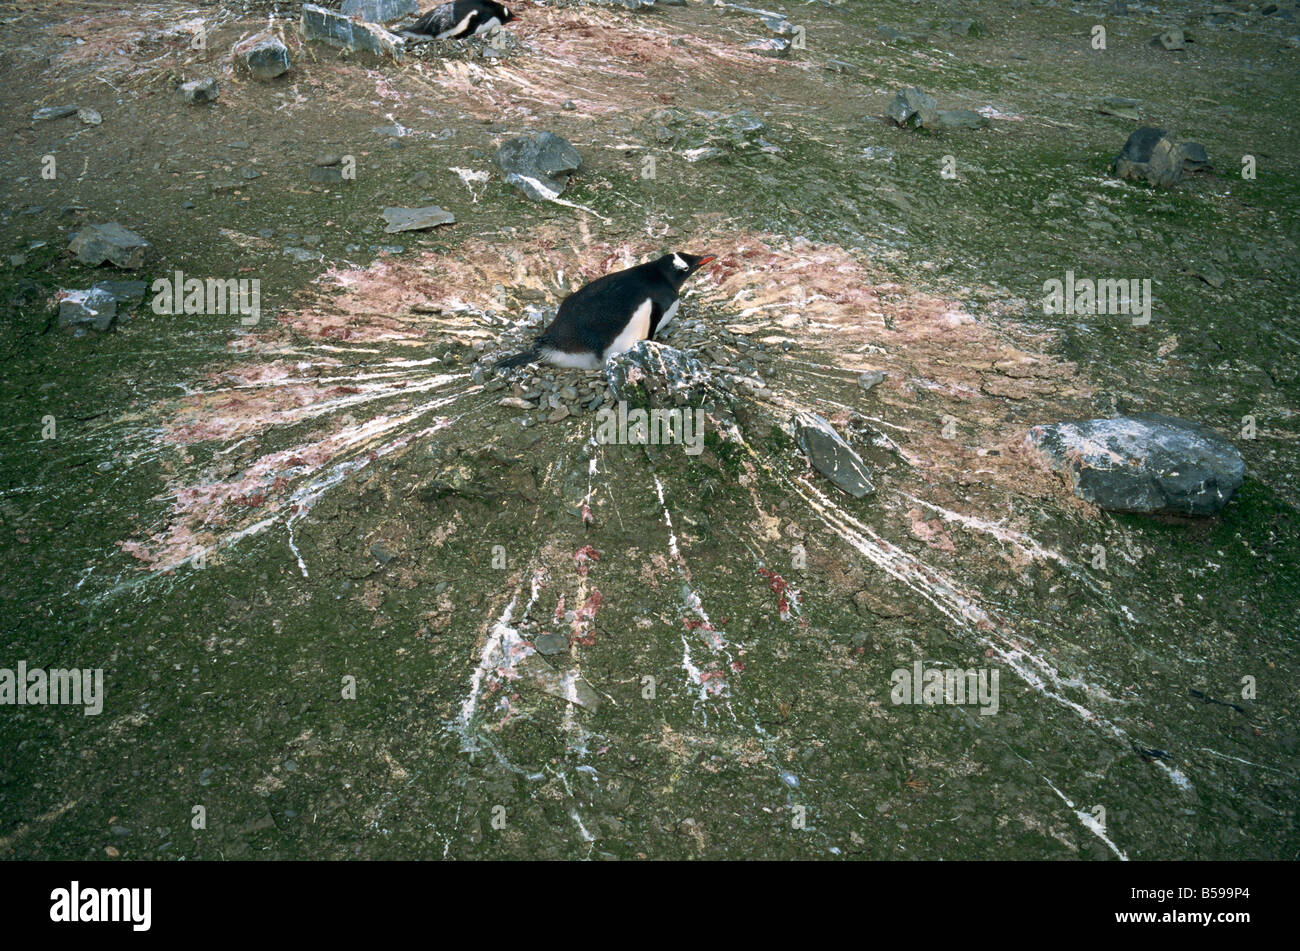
x,y
1158,157
337,30
913,105
538,164
831,455
1143,463
416,219
265,57
95,244
379,11
94,309
1171,40
199,90
671,371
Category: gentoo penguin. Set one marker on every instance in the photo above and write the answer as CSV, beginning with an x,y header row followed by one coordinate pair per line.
x,y
612,313
460,18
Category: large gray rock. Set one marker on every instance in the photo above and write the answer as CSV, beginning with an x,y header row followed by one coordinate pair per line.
x,y
416,219
912,106
265,57
662,370
1143,463
831,455
538,164
329,26
98,307
1159,157
95,244
379,11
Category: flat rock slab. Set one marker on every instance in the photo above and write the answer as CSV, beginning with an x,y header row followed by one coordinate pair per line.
x,y
264,57
95,244
54,112
567,685
1159,157
1144,463
379,11
539,164
416,219
831,455
959,119
329,26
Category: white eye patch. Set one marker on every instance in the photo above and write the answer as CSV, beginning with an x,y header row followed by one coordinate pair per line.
x,y
680,264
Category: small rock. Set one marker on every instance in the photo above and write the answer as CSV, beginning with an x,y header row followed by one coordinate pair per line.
x,y
870,378
199,90
89,116
551,644
53,112
264,57
416,219
1171,40
1158,157
959,119
95,244
772,47
831,455
325,175
539,164
914,106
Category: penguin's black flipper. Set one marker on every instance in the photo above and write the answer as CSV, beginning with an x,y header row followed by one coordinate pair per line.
x,y
518,360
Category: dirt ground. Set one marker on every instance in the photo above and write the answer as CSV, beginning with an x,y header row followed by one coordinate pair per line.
x,y
315,557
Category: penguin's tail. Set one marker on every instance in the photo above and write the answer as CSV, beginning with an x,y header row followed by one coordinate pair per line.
x,y
519,359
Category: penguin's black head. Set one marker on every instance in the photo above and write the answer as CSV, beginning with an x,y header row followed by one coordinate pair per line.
x,y
679,265
503,13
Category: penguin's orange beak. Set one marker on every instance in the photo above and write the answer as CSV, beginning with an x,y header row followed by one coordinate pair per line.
x,y
708,258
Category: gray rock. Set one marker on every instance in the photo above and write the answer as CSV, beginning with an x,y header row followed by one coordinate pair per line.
x,y
338,31
913,106
871,378
1171,40
416,219
539,164
666,369
199,90
265,57
1143,463
1158,157
959,119
89,116
94,309
325,174
831,455
551,644
379,11
772,46
53,112
95,244
779,25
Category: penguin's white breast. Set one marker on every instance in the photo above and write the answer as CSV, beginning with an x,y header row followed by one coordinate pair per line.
x,y
669,314
458,28
637,329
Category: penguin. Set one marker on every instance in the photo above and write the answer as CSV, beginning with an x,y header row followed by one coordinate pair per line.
x,y
460,18
611,314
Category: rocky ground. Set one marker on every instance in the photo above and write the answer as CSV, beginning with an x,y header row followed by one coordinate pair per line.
x,y
356,594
